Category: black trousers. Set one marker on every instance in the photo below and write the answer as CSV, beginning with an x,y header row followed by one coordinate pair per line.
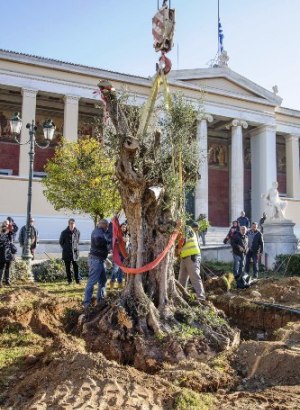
x,y
5,268
75,269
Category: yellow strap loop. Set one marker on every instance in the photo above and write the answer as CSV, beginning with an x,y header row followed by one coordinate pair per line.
x,y
149,106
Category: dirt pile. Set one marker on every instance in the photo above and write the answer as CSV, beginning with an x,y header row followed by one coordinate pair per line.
x,y
284,291
268,363
62,374
31,308
73,378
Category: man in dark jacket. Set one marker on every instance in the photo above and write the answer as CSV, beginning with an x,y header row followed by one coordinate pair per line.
x,y
239,244
256,247
243,220
100,242
69,241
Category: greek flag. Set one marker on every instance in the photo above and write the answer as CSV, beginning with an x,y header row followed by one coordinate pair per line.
x,y
221,37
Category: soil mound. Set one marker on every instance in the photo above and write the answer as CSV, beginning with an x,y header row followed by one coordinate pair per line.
x,y
72,378
284,291
268,364
31,308
290,335
65,375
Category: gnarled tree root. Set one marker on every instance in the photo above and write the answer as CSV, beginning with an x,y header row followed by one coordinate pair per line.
x,y
146,339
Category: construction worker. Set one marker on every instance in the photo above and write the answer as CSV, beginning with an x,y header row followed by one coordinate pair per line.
x,y
191,260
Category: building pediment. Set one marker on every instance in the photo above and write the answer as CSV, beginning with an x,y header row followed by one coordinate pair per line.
x,y
224,80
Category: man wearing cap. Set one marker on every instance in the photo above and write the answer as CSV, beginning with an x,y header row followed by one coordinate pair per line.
x,y
100,242
256,247
33,236
191,260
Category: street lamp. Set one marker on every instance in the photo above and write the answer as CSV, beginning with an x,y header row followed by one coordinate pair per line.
x,y
48,129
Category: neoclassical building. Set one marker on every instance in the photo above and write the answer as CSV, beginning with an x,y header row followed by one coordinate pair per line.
x,y
247,140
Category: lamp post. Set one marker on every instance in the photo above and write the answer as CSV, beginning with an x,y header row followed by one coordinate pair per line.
x,y
48,129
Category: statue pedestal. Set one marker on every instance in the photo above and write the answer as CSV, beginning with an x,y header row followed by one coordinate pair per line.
x,y
279,239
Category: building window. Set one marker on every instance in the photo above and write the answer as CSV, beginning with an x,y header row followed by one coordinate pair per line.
x,y
4,171
37,174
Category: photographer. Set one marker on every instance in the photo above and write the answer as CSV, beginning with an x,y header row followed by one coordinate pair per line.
x,y
12,228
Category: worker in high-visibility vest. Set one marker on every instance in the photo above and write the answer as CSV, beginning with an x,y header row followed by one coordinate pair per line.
x,y
191,260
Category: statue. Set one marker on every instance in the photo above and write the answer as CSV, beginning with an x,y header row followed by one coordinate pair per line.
x,y
275,207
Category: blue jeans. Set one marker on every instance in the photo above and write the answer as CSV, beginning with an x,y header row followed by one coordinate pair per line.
x,y
97,274
116,273
250,255
203,234
238,271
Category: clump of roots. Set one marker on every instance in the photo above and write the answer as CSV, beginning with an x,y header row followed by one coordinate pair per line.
x,y
132,331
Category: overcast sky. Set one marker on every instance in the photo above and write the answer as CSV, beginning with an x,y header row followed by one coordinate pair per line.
x,y
261,36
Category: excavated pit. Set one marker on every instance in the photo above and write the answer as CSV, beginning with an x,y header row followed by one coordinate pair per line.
x,y
262,309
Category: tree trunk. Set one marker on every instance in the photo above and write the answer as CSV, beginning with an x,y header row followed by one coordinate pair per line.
x,y
152,305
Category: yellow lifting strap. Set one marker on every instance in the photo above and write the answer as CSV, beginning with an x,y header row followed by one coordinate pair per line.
x,y
159,79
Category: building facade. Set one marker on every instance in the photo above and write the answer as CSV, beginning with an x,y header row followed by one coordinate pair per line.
x,y
247,140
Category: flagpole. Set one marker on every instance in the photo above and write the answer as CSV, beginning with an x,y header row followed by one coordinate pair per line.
x,y
218,26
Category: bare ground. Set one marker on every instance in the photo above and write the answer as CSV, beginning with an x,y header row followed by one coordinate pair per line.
x,y
57,372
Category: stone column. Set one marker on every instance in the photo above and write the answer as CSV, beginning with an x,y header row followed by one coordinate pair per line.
x,y
28,114
71,117
292,166
201,189
236,168
263,166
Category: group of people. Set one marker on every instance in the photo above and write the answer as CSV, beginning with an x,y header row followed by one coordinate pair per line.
x,y
247,245
8,249
101,246
246,242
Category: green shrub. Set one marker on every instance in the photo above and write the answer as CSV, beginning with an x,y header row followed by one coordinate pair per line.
x,y
54,270
49,271
287,264
19,270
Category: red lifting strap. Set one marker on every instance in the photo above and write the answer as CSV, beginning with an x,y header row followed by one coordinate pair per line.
x,y
119,245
